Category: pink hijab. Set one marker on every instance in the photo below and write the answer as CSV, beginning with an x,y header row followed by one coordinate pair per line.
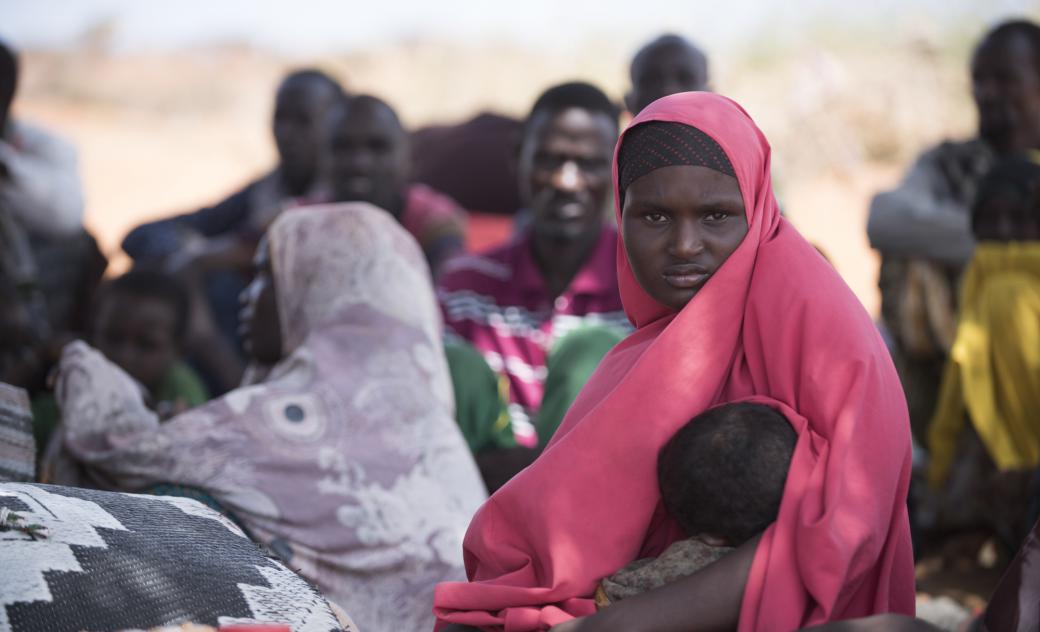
x,y
775,322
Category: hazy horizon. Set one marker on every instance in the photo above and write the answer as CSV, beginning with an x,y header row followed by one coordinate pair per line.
x,y
320,26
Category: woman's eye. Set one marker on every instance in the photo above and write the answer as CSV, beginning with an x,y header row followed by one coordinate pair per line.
x,y
718,216
655,218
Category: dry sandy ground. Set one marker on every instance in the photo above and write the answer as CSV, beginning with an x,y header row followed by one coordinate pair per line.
x,y
159,134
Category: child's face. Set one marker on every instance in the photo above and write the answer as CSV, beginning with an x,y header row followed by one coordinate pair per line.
x,y
138,334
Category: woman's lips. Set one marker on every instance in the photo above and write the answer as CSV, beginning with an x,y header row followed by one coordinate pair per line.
x,y
685,276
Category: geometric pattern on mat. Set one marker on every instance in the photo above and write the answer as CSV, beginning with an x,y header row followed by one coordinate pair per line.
x,y
111,561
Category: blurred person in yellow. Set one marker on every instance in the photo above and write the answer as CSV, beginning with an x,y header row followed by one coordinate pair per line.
x,y
922,227
988,417
212,248
368,159
669,64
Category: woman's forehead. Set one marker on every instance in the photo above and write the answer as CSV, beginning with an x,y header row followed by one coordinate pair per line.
x,y
658,144
685,180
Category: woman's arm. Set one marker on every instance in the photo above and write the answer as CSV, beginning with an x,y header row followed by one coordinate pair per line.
x,y
106,425
878,623
705,601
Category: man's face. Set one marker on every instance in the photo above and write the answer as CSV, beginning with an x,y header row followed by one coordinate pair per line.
x,y
367,157
1006,87
299,119
664,70
564,171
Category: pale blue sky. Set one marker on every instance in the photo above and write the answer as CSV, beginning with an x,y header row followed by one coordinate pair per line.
x,y
312,26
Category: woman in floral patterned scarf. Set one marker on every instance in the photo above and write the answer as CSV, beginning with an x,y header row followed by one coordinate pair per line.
x,y
345,460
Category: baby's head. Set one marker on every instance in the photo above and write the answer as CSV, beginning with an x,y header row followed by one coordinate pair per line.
x,y
139,324
1007,203
722,475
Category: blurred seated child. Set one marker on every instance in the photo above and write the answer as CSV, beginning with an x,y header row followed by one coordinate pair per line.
x,y
984,438
722,478
139,323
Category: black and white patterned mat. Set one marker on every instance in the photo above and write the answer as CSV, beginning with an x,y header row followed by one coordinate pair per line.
x,y
101,561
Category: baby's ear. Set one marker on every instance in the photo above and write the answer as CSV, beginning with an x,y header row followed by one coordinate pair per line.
x,y
711,540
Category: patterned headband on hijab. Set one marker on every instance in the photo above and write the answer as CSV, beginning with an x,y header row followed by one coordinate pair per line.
x,y
657,144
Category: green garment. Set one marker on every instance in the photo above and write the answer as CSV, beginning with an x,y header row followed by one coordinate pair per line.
x,y
570,364
46,416
180,384
481,396
480,399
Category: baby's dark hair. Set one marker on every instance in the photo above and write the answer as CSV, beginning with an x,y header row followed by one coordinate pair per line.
x,y
723,473
151,283
1016,178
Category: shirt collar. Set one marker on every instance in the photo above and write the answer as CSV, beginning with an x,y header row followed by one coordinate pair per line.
x,y
597,276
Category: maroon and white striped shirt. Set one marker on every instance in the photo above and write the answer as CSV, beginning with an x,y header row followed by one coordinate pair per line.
x,y
498,302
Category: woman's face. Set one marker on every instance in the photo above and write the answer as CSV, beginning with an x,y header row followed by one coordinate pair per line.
x,y
679,225
259,324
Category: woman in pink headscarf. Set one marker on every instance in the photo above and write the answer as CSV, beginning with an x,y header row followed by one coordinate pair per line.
x,y
346,460
730,303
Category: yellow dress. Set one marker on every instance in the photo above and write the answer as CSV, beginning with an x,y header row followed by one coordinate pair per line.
x,y
993,373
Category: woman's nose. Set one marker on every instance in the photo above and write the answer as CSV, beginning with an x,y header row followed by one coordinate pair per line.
x,y
686,241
